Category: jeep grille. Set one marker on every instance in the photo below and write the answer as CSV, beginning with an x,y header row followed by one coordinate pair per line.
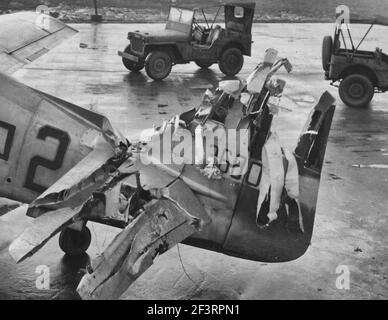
x,y
137,45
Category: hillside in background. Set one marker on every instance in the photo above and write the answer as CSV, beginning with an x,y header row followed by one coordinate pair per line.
x,y
155,10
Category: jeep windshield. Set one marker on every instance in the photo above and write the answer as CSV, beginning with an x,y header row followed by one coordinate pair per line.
x,y
180,19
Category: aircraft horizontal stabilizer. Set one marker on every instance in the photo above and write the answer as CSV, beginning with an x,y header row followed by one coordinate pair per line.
x,y
61,205
43,228
76,186
7,205
26,36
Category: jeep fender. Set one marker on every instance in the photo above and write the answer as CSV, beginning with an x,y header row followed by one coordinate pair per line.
x,y
235,44
170,48
360,69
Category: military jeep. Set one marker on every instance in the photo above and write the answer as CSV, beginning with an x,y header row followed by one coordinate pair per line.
x,y
185,39
360,73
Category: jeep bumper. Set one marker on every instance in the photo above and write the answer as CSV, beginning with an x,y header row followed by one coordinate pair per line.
x,y
128,56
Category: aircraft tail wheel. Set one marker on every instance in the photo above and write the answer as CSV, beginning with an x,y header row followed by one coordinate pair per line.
x,y
73,242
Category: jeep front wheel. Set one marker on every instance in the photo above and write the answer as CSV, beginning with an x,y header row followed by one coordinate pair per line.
x,y
158,65
356,90
231,61
203,64
131,65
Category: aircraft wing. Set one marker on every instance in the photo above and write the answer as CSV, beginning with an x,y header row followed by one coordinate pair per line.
x,y
26,36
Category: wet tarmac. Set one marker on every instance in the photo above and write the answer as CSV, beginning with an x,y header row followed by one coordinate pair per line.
x,y
352,215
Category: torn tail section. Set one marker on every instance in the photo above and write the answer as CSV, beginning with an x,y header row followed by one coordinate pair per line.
x,y
160,227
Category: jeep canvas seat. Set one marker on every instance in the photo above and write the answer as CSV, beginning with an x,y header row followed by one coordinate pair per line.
x,y
214,34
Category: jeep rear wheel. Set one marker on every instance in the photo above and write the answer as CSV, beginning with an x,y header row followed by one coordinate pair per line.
x,y
327,47
231,61
204,64
356,90
158,65
131,65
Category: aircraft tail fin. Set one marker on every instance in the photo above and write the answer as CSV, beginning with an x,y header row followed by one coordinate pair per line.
x,y
312,142
310,152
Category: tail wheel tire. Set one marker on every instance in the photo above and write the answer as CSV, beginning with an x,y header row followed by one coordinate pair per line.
x,y
131,65
203,64
158,65
231,61
356,90
73,242
327,47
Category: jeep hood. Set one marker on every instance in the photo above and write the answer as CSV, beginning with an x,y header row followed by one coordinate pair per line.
x,y
160,36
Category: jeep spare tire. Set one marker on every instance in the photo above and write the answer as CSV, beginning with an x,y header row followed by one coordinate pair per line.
x,y
158,64
231,61
327,47
356,90
131,65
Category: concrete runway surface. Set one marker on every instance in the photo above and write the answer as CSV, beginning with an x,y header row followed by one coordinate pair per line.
x,y
352,213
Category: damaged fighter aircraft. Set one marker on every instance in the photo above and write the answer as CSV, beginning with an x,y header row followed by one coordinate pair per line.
x,y
70,166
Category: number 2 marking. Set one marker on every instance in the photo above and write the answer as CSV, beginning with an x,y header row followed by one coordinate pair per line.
x,y
8,140
36,161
